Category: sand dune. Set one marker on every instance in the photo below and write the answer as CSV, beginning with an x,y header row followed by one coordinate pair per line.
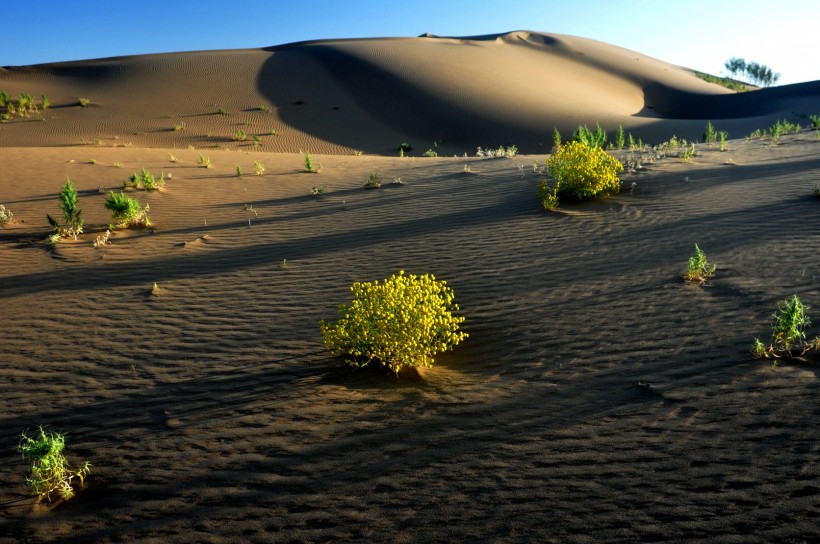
x,y
598,398
334,96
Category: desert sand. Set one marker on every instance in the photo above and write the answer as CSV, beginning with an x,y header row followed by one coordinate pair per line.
x,y
599,398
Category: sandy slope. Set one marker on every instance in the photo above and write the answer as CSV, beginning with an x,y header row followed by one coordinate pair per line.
x,y
598,397
334,96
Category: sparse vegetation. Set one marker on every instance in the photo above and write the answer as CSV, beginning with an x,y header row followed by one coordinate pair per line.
x,y
102,239
204,162
317,191
724,82
698,269
179,128
146,181
722,136
72,221
126,211
788,339
620,138
430,153
5,215
508,152
374,181
556,139
240,135
815,121
258,168
238,171
50,472
45,103
404,320
83,102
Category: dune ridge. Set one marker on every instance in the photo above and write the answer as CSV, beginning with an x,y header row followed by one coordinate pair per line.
x,y
336,96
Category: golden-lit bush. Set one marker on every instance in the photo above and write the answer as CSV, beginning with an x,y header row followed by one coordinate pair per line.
x,y
400,321
583,172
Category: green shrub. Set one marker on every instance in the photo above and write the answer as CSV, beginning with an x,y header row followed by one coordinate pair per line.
x,y
126,211
50,472
258,168
4,99
72,220
592,139
722,136
401,321
584,172
430,153
815,121
710,135
45,103
204,162
556,139
84,102
374,181
698,269
548,195
789,325
240,135
5,215
620,138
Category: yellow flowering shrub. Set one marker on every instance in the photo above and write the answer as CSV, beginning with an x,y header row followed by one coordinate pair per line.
x,y
401,321
582,172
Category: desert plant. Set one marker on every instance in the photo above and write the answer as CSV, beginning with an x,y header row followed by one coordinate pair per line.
x,y
309,163
687,152
430,153
45,103
583,172
221,111
590,138
405,147
5,215
172,157
72,220
126,211
710,135
556,139
620,138
204,162
238,171
50,471
404,320
789,325
179,127
317,191
240,135
102,239
258,168
698,269
722,136
257,141
815,121
374,181
4,99
84,102
547,195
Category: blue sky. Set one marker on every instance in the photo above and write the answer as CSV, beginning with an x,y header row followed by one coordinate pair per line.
x,y
697,34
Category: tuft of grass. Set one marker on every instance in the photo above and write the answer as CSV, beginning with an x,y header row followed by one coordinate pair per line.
x,y
221,111
556,139
710,135
238,171
258,168
83,102
430,153
722,136
50,472
317,191
45,103
179,128
126,211
789,324
374,181
172,157
698,269
240,135
5,215
204,162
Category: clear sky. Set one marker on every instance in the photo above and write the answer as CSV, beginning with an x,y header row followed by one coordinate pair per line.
x,y
698,34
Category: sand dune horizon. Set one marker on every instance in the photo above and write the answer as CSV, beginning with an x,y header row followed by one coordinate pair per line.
x,y
336,96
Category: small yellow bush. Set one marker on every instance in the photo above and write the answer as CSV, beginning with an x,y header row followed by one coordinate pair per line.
x,y
401,321
583,172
